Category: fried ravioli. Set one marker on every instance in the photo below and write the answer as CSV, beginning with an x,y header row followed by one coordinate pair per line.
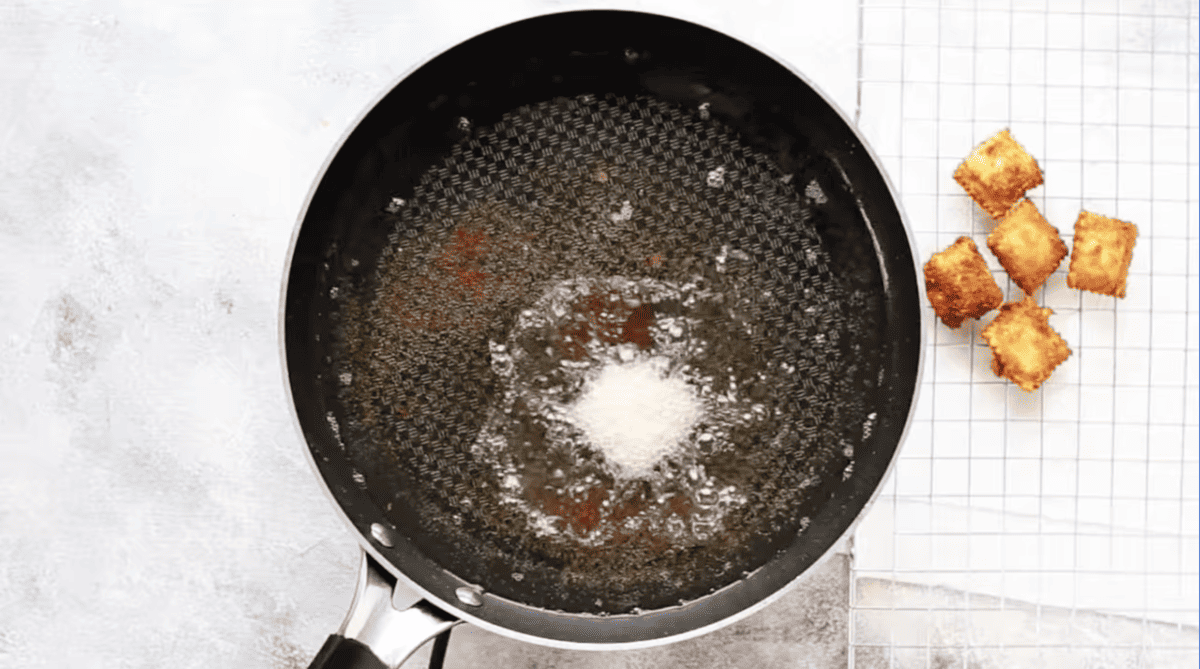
x,y
1028,247
959,284
1101,253
997,173
1025,349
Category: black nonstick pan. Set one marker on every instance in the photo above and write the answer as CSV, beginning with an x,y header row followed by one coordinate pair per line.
x,y
601,328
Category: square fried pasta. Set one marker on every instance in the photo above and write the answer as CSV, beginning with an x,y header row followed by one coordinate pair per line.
x,y
1028,247
1101,253
959,284
997,173
1025,349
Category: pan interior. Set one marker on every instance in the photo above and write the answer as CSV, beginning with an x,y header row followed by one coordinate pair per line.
x,y
590,261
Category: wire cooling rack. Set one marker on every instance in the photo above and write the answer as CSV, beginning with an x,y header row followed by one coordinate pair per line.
x,y
1056,528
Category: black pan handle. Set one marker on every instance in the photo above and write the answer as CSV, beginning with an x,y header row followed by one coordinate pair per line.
x,y
342,653
375,635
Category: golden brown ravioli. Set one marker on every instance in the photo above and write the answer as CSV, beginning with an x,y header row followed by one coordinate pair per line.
x,y
1027,246
997,173
959,284
1101,253
1025,349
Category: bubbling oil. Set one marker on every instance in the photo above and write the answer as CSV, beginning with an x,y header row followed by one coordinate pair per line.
x,y
464,359
552,471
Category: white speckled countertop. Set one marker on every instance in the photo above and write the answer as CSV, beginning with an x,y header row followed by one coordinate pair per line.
x,y
155,505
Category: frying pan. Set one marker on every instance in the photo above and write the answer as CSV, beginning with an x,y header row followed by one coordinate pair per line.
x,y
561,196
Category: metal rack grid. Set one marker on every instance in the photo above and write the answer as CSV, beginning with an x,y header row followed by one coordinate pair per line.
x,y
1059,527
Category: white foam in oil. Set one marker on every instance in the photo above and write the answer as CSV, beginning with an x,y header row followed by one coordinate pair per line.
x,y
635,412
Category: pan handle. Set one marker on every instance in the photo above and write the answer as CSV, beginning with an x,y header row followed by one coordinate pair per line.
x,y
375,635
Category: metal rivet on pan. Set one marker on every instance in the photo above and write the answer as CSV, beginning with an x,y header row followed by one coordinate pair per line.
x,y
382,534
469,596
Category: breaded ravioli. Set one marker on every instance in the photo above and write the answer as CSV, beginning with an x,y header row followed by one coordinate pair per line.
x,y
1027,246
997,173
1101,253
959,284
1025,349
